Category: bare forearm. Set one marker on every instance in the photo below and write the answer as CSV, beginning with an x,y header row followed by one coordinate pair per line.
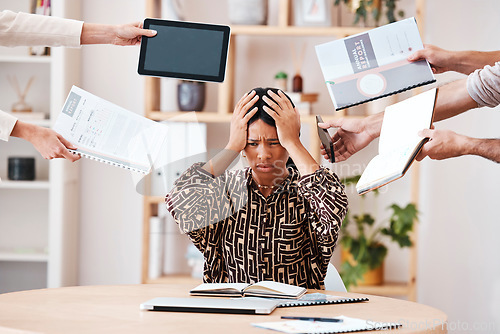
x,y
23,130
304,162
486,148
467,61
218,164
453,99
373,124
94,33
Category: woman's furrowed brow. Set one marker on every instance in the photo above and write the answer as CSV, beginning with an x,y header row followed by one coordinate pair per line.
x,y
257,140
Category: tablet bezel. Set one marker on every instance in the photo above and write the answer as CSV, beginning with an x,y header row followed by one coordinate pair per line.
x,y
190,25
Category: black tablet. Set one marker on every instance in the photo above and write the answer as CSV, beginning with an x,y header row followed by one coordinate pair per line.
x,y
185,50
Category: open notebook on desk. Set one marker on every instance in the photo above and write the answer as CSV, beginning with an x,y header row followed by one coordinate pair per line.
x,y
260,289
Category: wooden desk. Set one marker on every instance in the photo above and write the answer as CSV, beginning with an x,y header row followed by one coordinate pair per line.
x,y
115,309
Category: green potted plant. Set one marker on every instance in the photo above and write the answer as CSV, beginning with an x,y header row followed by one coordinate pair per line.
x,y
374,7
363,245
280,81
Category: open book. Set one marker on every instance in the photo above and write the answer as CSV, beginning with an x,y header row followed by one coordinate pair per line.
x,y
374,64
261,289
108,133
399,142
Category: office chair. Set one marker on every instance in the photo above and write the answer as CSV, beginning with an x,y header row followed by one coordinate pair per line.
x,y
333,282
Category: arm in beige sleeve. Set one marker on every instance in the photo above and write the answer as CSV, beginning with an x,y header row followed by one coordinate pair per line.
x,y
7,123
18,29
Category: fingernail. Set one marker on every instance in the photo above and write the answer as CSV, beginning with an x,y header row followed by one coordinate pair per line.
x,y
154,32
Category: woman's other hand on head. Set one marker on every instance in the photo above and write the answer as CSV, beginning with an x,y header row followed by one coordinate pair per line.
x,y
287,118
239,121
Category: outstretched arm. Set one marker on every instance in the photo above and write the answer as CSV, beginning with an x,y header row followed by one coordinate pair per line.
x,y
444,144
459,61
49,143
353,134
124,34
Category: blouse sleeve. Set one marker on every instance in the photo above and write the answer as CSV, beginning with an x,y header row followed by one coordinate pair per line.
x,y
198,200
328,204
483,86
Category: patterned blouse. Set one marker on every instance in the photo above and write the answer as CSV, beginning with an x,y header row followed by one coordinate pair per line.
x,y
287,237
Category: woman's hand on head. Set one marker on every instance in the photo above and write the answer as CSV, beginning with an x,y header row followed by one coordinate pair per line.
x,y
287,118
239,121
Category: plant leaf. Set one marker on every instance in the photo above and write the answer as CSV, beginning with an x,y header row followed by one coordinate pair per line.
x,y
376,255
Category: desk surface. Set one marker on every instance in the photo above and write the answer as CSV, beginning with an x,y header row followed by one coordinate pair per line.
x,y
115,309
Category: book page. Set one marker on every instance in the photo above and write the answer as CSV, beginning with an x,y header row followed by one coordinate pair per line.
x,y
399,140
109,133
403,120
373,64
276,287
220,287
384,168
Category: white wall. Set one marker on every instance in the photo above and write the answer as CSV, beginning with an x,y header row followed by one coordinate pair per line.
x,y
111,210
458,269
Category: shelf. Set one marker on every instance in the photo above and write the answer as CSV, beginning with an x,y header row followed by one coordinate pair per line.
x,y
31,185
23,257
26,59
189,116
212,117
386,289
296,31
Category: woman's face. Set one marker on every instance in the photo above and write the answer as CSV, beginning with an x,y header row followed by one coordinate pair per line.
x,y
265,155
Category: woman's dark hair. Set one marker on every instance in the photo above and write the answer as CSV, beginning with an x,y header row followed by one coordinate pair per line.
x,y
263,115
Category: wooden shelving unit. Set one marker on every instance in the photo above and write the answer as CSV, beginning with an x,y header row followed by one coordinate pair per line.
x,y
223,115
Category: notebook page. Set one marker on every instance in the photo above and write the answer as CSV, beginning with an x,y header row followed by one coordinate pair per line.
x,y
403,121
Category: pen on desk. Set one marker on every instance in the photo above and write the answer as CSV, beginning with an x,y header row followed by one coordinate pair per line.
x,y
314,319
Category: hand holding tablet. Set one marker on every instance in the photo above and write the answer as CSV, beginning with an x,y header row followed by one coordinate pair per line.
x,y
185,50
326,140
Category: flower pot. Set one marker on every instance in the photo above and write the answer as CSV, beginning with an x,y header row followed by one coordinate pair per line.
x,y
371,277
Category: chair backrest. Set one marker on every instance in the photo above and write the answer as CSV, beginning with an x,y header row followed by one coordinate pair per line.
x,y
333,282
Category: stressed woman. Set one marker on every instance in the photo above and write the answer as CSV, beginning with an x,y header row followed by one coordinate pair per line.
x,y
267,221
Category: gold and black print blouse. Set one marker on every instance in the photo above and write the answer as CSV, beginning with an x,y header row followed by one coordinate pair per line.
x,y
287,237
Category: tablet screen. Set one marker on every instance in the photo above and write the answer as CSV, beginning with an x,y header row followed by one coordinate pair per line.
x,y
185,50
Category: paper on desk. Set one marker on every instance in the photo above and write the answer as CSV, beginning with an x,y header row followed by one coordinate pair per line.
x,y
347,325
